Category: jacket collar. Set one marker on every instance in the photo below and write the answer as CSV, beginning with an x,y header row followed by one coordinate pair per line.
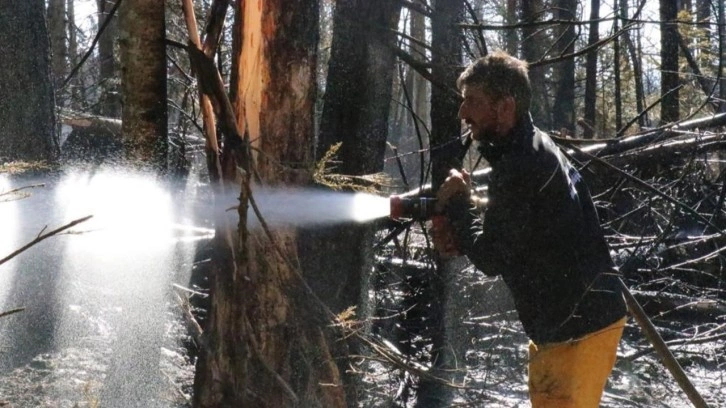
x,y
519,138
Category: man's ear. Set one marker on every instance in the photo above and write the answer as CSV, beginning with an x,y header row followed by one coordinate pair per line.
x,y
507,107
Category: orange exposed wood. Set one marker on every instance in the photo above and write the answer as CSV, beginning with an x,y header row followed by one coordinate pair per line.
x,y
210,130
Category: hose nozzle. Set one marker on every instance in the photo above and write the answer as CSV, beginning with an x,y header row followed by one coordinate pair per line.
x,y
416,208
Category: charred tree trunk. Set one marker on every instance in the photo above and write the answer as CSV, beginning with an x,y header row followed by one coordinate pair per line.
x,y
563,116
446,58
617,78
511,37
266,338
591,73
355,112
533,40
58,44
27,106
110,99
75,92
635,60
143,76
669,82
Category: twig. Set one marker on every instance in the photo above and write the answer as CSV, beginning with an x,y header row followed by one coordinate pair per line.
x,y
9,312
88,53
41,237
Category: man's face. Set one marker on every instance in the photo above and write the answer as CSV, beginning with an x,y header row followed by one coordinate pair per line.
x,y
479,112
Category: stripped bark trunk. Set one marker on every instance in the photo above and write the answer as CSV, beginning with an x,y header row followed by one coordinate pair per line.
x,y
266,340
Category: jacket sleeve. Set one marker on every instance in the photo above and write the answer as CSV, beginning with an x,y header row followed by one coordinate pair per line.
x,y
492,244
475,238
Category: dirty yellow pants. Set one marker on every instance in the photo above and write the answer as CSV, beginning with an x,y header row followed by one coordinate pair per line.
x,y
573,374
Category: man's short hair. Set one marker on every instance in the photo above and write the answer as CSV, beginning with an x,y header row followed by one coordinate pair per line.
x,y
500,75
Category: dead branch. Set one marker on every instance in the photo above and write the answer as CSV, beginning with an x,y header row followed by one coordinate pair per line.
x,y
93,124
10,312
41,237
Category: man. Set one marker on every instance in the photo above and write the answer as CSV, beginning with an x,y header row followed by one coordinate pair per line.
x,y
541,234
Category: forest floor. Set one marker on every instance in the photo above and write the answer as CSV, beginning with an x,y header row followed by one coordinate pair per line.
x,y
76,376
495,370
494,373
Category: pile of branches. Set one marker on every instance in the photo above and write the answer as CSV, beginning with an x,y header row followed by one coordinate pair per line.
x,y
660,195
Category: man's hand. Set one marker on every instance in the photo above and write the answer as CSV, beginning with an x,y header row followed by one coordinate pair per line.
x,y
458,184
442,235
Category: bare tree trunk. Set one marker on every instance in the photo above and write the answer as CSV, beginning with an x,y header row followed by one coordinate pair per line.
x,y
143,75
445,309
356,109
75,91
110,99
563,116
511,39
591,73
56,15
266,338
669,81
27,106
616,75
533,40
635,59
722,50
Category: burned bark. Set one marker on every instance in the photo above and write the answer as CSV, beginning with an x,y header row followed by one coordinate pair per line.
x,y
142,32
27,106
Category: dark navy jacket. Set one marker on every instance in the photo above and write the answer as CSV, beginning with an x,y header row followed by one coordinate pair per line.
x,y
541,233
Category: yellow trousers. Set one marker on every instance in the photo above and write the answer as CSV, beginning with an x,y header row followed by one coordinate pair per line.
x,y
573,374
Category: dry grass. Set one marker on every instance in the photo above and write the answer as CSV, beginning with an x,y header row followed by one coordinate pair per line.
x,y
19,167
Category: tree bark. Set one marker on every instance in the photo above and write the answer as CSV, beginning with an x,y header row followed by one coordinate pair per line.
x,y
445,310
533,40
266,340
591,73
635,59
356,109
27,106
616,75
56,15
142,32
563,116
669,82
110,99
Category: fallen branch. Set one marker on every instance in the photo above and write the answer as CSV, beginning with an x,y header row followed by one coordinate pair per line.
x,y
41,237
9,312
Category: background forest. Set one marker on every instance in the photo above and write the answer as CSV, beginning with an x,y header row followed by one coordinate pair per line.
x,y
333,97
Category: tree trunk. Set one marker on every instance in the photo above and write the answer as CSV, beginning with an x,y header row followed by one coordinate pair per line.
x,y
591,73
266,340
722,47
110,99
58,45
669,81
533,41
635,59
27,106
511,39
76,92
616,75
445,310
143,81
563,116
356,108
